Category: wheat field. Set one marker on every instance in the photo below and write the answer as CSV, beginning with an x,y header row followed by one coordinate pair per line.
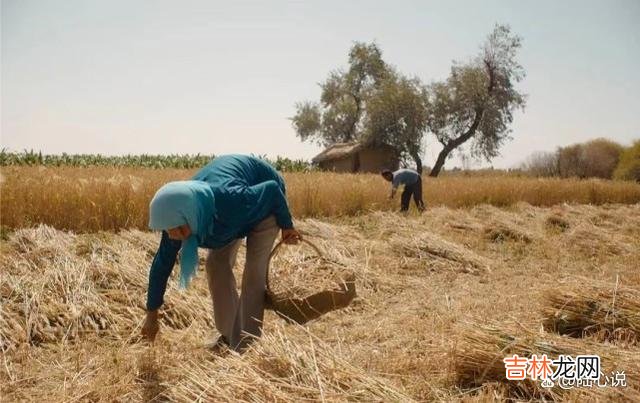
x,y
110,198
442,298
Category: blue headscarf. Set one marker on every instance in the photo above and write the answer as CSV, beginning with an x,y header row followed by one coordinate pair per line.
x,y
179,203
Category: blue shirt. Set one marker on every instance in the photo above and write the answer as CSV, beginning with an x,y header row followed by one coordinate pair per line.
x,y
405,177
247,190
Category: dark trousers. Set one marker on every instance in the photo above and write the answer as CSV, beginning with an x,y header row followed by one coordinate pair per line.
x,y
416,191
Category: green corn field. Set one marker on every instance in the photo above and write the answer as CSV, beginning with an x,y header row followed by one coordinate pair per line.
x,y
179,161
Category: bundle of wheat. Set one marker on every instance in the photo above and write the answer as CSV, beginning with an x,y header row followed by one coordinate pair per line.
x,y
500,232
556,221
436,252
478,361
593,241
607,312
306,286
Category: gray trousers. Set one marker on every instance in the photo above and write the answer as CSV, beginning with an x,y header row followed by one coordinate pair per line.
x,y
239,319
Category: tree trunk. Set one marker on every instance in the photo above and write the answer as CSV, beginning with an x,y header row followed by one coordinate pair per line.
x,y
442,157
455,143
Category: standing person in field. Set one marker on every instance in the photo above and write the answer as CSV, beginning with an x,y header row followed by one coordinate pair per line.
x,y
412,182
233,197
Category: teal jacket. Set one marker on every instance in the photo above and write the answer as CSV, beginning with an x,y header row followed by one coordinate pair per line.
x,y
247,190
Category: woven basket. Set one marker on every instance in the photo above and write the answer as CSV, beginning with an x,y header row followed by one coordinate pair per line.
x,y
302,310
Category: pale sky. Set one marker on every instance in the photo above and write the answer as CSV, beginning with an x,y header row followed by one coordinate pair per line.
x,y
160,77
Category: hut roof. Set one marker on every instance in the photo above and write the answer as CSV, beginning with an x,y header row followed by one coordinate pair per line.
x,y
337,151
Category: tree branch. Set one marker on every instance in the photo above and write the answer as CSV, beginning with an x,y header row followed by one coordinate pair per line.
x,y
453,144
492,78
470,132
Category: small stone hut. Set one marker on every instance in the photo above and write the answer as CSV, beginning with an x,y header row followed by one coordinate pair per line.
x,y
356,157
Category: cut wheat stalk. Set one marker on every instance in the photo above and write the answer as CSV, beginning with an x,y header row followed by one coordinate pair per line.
x,y
605,312
478,361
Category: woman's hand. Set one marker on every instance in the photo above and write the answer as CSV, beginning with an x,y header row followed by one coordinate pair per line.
x,y
150,327
291,236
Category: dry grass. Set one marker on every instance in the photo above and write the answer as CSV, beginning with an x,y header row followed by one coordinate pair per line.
x,y
100,198
72,306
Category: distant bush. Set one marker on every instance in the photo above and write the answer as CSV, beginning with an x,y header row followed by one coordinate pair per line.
x,y
629,165
594,159
542,163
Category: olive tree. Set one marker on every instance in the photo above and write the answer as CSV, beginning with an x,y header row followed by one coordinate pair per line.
x,y
338,115
477,101
370,103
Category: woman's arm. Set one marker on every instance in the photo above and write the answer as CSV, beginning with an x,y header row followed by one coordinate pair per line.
x,y
160,270
158,276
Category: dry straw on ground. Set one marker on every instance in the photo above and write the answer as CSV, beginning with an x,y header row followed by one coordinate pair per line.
x,y
75,285
63,289
282,368
72,306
